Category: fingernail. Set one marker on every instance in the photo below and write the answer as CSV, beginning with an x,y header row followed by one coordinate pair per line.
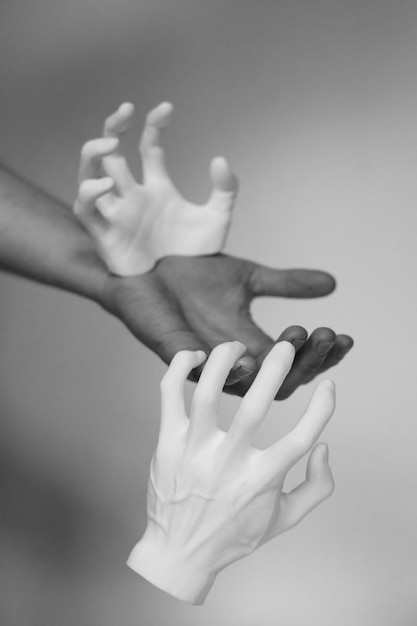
x,y
242,372
297,343
343,351
324,347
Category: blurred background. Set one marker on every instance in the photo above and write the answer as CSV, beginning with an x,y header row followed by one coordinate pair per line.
x,y
314,103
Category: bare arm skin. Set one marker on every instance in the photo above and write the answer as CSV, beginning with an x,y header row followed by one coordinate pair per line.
x,y
40,239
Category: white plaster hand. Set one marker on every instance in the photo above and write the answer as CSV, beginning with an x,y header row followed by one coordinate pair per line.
x,y
213,497
134,225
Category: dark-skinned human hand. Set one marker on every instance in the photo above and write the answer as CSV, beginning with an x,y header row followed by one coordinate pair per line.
x,y
196,302
192,303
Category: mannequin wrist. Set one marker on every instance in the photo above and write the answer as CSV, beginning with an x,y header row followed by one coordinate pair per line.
x,y
171,568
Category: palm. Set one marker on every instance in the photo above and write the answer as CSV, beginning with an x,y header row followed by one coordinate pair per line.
x,y
197,303
160,214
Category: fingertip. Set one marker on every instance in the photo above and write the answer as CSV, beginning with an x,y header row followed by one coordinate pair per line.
x,y
228,351
165,108
240,346
284,349
346,342
91,189
318,468
329,385
126,109
200,357
96,149
107,181
160,116
323,450
302,283
222,175
110,143
324,398
324,283
219,163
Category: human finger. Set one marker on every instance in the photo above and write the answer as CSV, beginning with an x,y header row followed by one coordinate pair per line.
x,y
309,359
290,283
343,344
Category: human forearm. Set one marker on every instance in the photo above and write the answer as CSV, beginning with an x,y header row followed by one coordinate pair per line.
x,y
41,240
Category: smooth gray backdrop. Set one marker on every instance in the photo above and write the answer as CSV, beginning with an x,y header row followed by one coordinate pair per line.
x,y
315,104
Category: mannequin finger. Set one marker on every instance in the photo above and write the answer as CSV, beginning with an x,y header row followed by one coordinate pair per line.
x,y
120,121
295,335
225,185
287,451
172,388
152,154
258,399
89,195
317,487
209,388
117,167
243,329
92,153
260,344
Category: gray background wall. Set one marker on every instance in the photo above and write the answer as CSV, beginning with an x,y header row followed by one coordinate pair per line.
x,y
314,103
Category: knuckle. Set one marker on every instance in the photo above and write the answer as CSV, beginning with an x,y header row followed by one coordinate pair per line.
x,y
302,442
309,368
223,349
248,413
166,382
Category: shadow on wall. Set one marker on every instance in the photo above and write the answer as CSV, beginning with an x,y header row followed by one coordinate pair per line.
x,y
53,540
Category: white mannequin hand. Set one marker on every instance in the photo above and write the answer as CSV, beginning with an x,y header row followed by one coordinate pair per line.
x,y
135,225
213,497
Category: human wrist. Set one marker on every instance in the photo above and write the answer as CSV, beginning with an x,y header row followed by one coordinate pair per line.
x,y
171,567
41,240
